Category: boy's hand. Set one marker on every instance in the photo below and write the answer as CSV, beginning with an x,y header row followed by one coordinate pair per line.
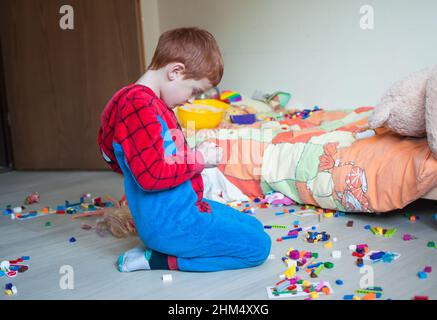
x,y
212,154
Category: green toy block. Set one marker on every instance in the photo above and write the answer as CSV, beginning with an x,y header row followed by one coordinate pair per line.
x,y
366,291
319,269
390,233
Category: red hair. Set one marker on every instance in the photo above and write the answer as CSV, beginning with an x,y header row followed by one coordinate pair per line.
x,y
195,48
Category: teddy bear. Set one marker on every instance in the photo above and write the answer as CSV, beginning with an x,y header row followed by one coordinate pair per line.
x,y
409,107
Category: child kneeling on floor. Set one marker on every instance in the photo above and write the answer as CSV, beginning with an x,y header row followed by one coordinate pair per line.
x,y
140,137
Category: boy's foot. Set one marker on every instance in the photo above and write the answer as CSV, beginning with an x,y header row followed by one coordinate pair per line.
x,y
134,259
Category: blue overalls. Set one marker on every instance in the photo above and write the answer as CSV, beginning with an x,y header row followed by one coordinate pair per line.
x,y
169,222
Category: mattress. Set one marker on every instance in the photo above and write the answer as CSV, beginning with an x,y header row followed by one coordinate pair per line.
x,y
431,195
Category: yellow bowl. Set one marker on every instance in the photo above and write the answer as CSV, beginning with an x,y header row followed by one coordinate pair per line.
x,y
202,114
213,103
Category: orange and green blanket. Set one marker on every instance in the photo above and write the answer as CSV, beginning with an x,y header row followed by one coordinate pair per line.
x,y
319,161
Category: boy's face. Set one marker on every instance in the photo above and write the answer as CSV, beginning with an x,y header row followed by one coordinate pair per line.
x,y
177,90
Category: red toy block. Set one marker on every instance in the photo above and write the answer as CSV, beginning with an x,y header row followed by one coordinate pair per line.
x,y
420,298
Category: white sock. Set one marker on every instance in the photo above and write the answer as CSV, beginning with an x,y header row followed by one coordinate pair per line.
x,y
133,260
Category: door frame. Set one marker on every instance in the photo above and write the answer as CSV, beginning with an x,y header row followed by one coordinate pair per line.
x,y
6,162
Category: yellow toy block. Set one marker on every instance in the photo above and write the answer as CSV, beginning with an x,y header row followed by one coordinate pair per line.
x,y
314,295
328,245
329,215
290,272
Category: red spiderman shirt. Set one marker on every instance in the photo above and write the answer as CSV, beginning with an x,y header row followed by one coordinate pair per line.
x,y
136,119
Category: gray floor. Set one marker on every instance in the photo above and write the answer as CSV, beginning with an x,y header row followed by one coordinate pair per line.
x,y
92,257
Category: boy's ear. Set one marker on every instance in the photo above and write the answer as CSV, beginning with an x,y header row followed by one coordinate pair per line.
x,y
175,70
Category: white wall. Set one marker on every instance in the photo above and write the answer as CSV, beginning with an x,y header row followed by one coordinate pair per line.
x,y
314,49
151,32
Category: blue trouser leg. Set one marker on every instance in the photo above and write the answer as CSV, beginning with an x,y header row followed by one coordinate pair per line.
x,y
221,240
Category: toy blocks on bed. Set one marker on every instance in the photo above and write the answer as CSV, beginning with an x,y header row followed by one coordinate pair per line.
x,y
230,96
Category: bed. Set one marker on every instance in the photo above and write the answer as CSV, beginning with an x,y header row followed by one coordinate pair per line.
x,y
431,195
320,161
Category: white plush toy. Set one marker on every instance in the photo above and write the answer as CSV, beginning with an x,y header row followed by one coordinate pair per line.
x,y
409,108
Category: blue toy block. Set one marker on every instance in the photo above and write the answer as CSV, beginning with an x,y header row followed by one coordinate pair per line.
x,y
289,237
315,265
377,255
388,257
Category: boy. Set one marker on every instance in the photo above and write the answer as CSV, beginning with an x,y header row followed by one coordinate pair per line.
x,y
140,138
